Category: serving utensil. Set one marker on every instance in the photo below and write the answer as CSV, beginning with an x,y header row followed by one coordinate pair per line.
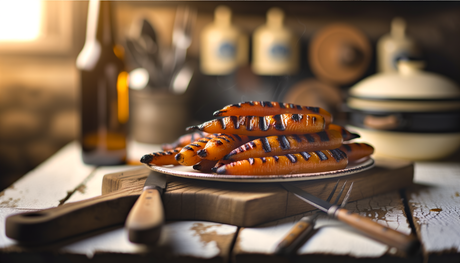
x,y
407,244
306,224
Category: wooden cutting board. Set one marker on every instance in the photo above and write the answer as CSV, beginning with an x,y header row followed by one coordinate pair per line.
x,y
249,204
240,204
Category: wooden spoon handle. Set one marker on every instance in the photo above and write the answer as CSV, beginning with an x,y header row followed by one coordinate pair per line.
x,y
70,219
146,218
405,243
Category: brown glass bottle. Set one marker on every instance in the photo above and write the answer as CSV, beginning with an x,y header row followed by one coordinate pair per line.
x,y
104,91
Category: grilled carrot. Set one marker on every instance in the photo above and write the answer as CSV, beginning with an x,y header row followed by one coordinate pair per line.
x,y
184,140
284,144
221,145
205,166
281,124
303,162
264,108
188,155
356,151
347,135
220,163
161,158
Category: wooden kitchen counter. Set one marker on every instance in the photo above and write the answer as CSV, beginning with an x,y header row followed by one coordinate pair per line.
x,y
432,206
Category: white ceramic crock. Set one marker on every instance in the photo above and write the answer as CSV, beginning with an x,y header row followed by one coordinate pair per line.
x,y
411,114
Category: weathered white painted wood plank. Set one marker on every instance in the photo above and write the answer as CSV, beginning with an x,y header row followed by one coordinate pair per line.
x,y
331,237
49,183
92,185
435,205
194,239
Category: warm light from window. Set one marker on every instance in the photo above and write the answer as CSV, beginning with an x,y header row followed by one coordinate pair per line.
x,y
20,20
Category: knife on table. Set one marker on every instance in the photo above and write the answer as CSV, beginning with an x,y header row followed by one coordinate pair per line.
x,y
405,243
146,218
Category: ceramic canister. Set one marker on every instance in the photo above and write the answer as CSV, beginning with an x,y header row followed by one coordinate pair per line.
x,y
410,114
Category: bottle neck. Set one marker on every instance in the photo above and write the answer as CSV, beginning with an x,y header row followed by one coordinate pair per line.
x,y
275,17
99,26
223,16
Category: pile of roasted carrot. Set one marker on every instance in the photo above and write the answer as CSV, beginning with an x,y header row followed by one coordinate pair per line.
x,y
264,138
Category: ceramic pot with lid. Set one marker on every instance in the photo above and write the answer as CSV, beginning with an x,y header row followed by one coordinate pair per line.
x,y
410,114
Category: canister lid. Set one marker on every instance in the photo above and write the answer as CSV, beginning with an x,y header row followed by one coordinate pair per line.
x,y
409,89
410,82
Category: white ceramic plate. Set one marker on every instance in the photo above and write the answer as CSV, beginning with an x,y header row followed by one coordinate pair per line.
x,y
188,172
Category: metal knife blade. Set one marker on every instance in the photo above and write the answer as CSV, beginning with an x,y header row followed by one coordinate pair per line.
x,y
311,199
407,244
146,218
155,180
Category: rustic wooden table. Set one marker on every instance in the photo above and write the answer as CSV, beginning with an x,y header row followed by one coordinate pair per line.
x,y
432,206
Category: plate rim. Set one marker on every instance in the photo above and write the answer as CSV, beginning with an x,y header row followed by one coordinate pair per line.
x,y
360,167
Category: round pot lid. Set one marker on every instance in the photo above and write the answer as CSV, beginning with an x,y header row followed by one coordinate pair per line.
x,y
409,89
339,54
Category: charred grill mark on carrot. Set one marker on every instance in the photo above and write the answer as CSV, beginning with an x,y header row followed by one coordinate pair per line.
x,y
250,123
313,109
266,104
263,108
265,144
305,155
356,151
296,138
298,117
291,158
323,136
161,158
219,164
321,155
219,146
347,135
263,126
223,138
346,147
338,154
184,140
188,148
309,137
222,123
304,162
204,166
188,155
281,124
234,120
284,144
